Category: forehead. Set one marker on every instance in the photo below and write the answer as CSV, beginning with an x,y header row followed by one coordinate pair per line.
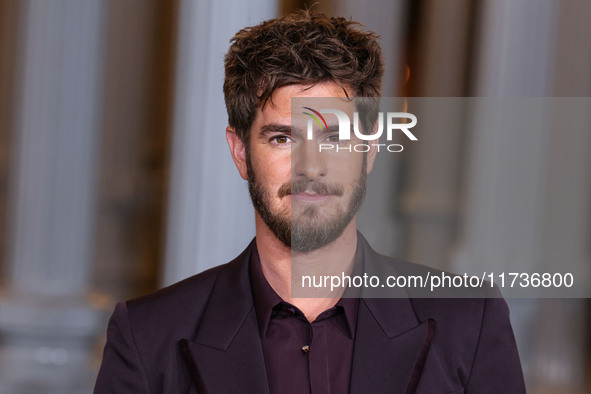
x,y
281,107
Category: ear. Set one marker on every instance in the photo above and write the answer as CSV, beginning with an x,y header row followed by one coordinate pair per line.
x,y
238,151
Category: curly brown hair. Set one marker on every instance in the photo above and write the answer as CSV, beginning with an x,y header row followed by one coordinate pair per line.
x,y
300,48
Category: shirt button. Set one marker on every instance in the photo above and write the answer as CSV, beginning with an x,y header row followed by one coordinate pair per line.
x,y
306,348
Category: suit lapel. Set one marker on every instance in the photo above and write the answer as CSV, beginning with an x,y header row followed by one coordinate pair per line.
x,y
235,369
389,355
391,344
226,355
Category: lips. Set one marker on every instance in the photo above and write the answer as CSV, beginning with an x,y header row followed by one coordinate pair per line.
x,y
310,190
311,196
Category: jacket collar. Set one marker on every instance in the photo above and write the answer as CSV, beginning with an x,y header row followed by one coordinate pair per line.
x,y
392,344
225,355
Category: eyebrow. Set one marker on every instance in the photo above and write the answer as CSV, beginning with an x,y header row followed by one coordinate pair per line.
x,y
332,129
274,128
277,128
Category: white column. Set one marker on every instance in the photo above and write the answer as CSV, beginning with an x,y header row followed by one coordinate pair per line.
x,y
526,205
430,200
48,318
516,48
210,218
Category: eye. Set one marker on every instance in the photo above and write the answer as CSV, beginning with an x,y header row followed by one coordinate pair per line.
x,y
333,138
280,139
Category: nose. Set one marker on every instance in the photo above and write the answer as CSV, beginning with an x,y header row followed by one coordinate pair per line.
x,y
307,161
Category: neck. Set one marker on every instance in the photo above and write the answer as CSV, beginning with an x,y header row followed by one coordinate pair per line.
x,y
281,265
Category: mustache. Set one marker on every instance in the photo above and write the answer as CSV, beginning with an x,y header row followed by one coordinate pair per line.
x,y
303,185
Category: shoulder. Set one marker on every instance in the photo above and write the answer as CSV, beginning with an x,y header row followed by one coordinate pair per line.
x,y
472,339
142,350
447,296
174,303
177,309
461,313
399,278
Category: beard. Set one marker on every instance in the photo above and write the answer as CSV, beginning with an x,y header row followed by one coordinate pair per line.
x,y
310,230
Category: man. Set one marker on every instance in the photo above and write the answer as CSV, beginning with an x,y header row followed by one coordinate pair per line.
x,y
238,328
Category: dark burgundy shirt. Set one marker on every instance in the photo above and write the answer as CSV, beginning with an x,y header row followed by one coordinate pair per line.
x,y
303,357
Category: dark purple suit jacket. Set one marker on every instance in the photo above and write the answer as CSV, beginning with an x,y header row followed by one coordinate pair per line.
x,y
201,336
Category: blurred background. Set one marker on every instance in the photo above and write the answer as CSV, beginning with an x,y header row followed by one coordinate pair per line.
x,y
115,177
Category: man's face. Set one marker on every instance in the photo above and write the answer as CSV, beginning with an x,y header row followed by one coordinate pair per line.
x,y
306,197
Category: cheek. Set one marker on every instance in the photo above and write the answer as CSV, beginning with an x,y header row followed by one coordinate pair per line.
x,y
271,161
346,170
272,170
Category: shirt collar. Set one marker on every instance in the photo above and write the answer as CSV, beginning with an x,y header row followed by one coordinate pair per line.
x,y
265,298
